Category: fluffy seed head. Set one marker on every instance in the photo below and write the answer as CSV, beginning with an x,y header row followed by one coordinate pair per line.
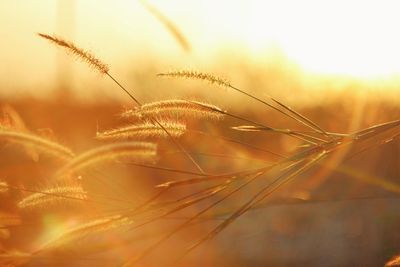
x,y
197,75
78,52
85,229
53,196
37,142
144,130
140,152
175,108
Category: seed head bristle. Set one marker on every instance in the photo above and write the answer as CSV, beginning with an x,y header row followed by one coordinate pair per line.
x,y
85,229
78,52
53,196
42,144
175,108
144,130
197,75
140,152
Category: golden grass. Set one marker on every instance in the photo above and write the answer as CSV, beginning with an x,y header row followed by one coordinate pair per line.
x,y
139,152
169,25
58,196
82,230
192,74
80,53
201,192
144,130
175,108
42,144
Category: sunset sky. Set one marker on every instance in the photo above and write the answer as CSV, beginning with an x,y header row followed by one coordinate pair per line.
x,y
357,38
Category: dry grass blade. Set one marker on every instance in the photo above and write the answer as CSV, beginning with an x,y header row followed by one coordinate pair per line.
x,y
172,28
250,128
206,195
39,143
212,178
144,130
173,170
222,82
376,129
135,260
174,108
78,52
189,196
257,198
242,144
53,197
135,151
302,118
252,176
303,136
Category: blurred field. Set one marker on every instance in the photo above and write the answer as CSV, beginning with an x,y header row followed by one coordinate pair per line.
x,y
322,218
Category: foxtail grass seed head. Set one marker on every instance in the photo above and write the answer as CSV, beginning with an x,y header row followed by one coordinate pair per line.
x,y
85,229
144,130
197,75
53,197
139,152
80,53
175,108
42,144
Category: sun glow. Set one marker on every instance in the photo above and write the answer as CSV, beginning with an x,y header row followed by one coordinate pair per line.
x,y
352,38
355,38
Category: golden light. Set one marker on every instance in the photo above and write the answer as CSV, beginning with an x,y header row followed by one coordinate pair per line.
x,y
356,38
188,133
